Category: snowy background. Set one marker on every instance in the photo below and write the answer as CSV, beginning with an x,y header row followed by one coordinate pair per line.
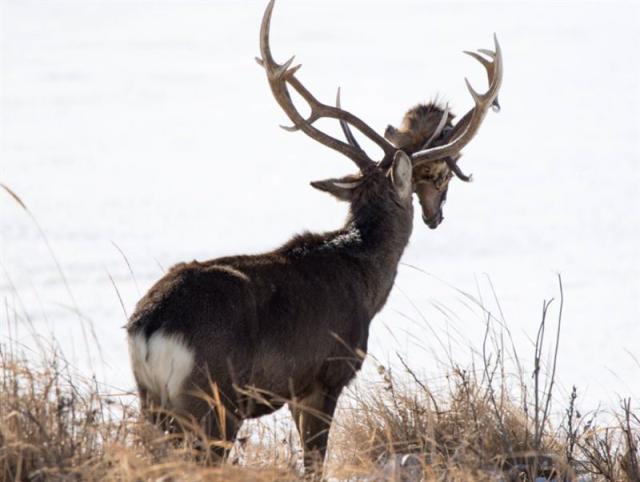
x,y
145,128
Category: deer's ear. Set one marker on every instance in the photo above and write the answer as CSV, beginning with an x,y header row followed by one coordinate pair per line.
x,y
339,188
401,172
398,138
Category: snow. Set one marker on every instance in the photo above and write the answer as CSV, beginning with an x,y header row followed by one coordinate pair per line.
x,y
147,129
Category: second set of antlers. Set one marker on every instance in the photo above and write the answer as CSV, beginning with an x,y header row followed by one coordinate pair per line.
x,y
281,76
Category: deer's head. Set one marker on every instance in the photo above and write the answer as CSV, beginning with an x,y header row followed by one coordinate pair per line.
x,y
388,189
427,136
423,126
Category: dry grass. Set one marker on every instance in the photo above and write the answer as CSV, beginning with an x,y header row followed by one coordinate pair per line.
x,y
458,435
485,424
58,426
55,426
459,432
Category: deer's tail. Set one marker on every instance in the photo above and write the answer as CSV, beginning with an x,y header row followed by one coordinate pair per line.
x,y
161,363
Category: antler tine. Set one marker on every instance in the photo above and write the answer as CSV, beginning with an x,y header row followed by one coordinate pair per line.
x,y
439,128
345,127
468,126
281,75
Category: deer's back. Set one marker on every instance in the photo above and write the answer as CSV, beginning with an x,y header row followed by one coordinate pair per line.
x,y
270,317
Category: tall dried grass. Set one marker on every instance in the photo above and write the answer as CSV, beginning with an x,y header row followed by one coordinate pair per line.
x,y
57,425
486,425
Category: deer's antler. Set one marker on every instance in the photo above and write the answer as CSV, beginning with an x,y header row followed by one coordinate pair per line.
x,y
468,126
281,75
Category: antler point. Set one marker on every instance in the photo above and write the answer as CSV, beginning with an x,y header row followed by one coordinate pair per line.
x,y
472,91
289,128
293,70
487,52
286,65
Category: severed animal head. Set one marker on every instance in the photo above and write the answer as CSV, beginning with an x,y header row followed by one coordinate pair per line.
x,y
434,143
427,134
423,126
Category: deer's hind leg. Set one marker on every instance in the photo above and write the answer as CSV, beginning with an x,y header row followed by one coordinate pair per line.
x,y
209,414
150,408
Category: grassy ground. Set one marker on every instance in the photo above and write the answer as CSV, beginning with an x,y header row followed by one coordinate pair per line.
x,y
56,425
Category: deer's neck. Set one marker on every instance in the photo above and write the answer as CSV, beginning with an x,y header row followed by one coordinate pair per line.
x,y
383,235
366,250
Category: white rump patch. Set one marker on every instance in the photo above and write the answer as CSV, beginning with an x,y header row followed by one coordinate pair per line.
x,y
161,364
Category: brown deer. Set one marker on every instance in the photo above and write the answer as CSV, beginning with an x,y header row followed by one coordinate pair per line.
x,y
289,326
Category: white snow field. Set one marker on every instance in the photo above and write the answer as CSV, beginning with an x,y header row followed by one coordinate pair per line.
x,y
146,127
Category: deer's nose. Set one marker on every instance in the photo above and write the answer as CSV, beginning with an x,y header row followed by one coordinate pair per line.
x,y
434,222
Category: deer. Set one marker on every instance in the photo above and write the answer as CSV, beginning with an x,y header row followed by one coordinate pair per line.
x,y
289,326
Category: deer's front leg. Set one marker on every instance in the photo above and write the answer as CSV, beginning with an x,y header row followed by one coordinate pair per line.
x,y
312,416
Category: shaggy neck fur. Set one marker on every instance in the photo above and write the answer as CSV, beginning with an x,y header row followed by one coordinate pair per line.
x,y
369,245
378,226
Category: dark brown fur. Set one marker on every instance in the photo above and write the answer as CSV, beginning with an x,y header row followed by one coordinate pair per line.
x,y
417,126
290,324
